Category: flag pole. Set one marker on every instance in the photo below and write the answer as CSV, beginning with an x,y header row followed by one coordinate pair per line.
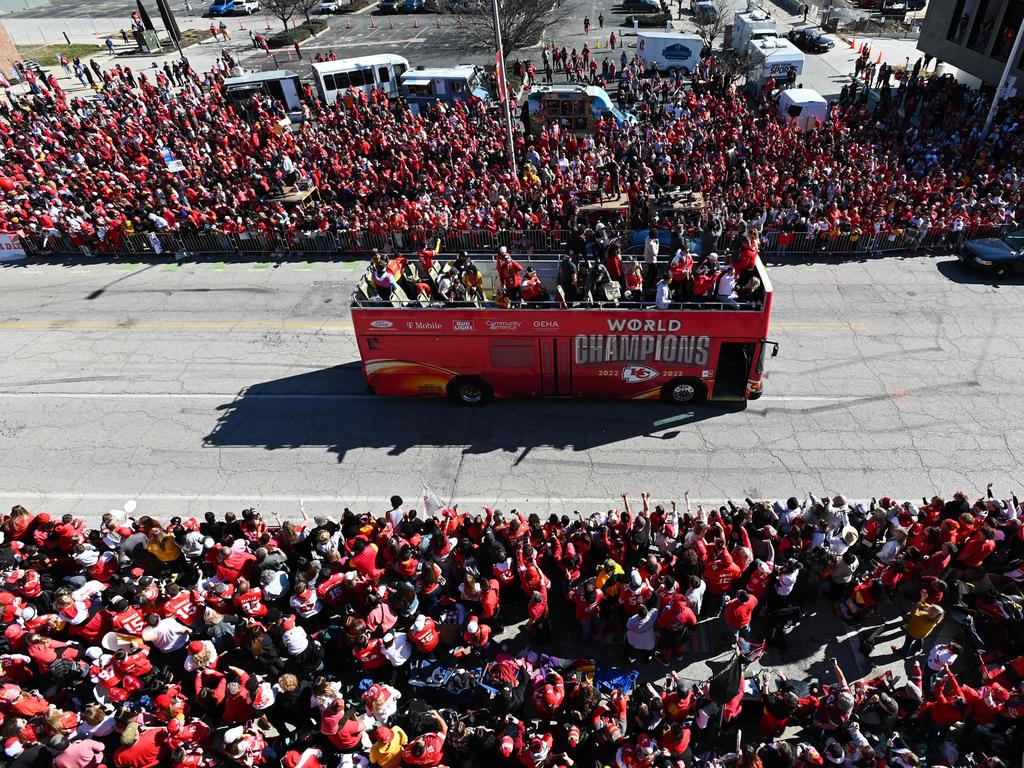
x,y
503,86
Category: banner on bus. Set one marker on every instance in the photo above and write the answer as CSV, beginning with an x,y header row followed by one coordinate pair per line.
x,y
11,248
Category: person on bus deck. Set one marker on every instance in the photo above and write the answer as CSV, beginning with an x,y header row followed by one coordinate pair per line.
x,y
726,288
501,299
383,281
568,276
681,274
446,284
663,293
533,289
462,262
474,284
634,281
509,274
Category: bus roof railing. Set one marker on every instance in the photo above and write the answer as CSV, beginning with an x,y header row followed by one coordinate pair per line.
x,y
711,305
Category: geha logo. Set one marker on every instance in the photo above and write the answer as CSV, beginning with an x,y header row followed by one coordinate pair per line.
x,y
546,324
381,324
462,325
634,374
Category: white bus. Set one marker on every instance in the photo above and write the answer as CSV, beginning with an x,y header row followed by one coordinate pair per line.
x,y
382,71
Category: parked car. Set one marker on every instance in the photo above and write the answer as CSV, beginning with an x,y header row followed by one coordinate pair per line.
x,y
224,7
642,6
999,256
916,5
387,6
411,6
332,6
704,10
811,40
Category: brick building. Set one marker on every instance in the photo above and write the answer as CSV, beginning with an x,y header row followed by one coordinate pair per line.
x,y
974,35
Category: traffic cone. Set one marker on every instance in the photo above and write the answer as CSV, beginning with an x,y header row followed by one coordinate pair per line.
x,y
267,21
879,59
348,23
391,23
416,22
853,42
373,23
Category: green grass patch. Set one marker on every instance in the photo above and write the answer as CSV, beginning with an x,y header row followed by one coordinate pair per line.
x,y
46,55
296,34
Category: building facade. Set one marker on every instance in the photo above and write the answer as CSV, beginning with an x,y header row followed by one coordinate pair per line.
x,y
974,35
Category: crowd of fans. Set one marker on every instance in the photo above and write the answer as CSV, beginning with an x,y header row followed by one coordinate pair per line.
x,y
435,636
91,167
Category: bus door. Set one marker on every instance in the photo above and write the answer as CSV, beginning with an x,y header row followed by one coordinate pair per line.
x,y
555,368
733,366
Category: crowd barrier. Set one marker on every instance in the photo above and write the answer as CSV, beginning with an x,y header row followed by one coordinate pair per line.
x,y
269,245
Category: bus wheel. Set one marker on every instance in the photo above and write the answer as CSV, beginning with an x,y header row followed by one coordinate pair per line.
x,y
470,391
683,391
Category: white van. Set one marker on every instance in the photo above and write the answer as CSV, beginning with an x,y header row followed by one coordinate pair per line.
x,y
668,51
751,25
804,107
382,71
774,56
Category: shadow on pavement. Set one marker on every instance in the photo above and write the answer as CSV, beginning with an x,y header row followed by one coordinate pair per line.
x,y
958,273
330,407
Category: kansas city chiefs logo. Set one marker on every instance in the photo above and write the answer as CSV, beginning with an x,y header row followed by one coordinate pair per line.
x,y
637,373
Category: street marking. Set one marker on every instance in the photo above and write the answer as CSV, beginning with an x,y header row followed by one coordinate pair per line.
x,y
172,267
261,265
306,265
810,398
218,265
811,326
670,419
129,267
184,325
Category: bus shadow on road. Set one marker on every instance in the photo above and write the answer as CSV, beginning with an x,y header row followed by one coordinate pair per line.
x,y
331,408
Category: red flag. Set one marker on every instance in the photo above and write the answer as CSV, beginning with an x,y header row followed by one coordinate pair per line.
x,y
500,69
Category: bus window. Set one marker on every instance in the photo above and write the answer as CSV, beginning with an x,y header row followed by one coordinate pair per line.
x,y
329,83
457,86
513,353
341,81
399,70
383,75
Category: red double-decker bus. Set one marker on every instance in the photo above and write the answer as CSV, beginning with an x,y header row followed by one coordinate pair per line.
x,y
700,350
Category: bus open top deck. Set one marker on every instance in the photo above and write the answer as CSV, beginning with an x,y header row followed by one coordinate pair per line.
x,y
473,351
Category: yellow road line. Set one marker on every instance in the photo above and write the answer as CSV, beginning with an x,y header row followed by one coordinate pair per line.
x,y
811,326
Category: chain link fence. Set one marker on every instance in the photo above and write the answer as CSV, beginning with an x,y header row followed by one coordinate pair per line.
x,y
327,244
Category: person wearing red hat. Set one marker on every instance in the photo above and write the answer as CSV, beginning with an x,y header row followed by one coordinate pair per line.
x,y
307,758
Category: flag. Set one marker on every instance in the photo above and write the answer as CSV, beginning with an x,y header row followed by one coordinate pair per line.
x,y
432,504
500,71
726,683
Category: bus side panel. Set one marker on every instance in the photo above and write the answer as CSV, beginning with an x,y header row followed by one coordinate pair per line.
x,y
632,381
419,365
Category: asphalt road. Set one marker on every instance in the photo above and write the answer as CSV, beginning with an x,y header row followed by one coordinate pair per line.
x,y
210,386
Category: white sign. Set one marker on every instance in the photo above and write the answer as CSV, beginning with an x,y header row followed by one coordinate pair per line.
x,y
10,248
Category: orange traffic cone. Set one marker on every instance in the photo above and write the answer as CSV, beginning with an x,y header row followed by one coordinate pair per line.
x,y
348,23
416,22
860,49
879,59
853,42
268,24
373,23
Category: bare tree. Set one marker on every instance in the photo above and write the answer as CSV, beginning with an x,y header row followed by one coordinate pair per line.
x,y
306,7
523,22
712,19
283,10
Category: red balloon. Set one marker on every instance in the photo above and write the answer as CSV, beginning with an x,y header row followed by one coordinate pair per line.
x,y
6,184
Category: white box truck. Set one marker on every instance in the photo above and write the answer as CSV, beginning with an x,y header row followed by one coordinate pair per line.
x,y
667,51
804,107
774,56
751,25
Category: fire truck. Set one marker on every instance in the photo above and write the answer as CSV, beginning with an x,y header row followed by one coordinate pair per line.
x,y
475,351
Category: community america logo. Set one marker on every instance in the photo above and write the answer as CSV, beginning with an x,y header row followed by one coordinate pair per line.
x,y
633,374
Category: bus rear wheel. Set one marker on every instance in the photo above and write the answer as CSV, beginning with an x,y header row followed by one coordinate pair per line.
x,y
683,391
470,391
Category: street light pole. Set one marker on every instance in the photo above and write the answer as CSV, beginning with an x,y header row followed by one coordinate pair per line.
x,y
503,81
998,97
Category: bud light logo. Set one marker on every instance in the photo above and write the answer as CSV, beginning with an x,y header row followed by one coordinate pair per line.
x,y
634,374
381,324
463,325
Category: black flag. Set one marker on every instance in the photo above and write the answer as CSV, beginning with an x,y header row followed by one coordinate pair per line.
x,y
726,683
170,24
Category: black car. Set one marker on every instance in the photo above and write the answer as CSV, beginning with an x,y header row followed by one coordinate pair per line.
x,y
811,40
999,256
